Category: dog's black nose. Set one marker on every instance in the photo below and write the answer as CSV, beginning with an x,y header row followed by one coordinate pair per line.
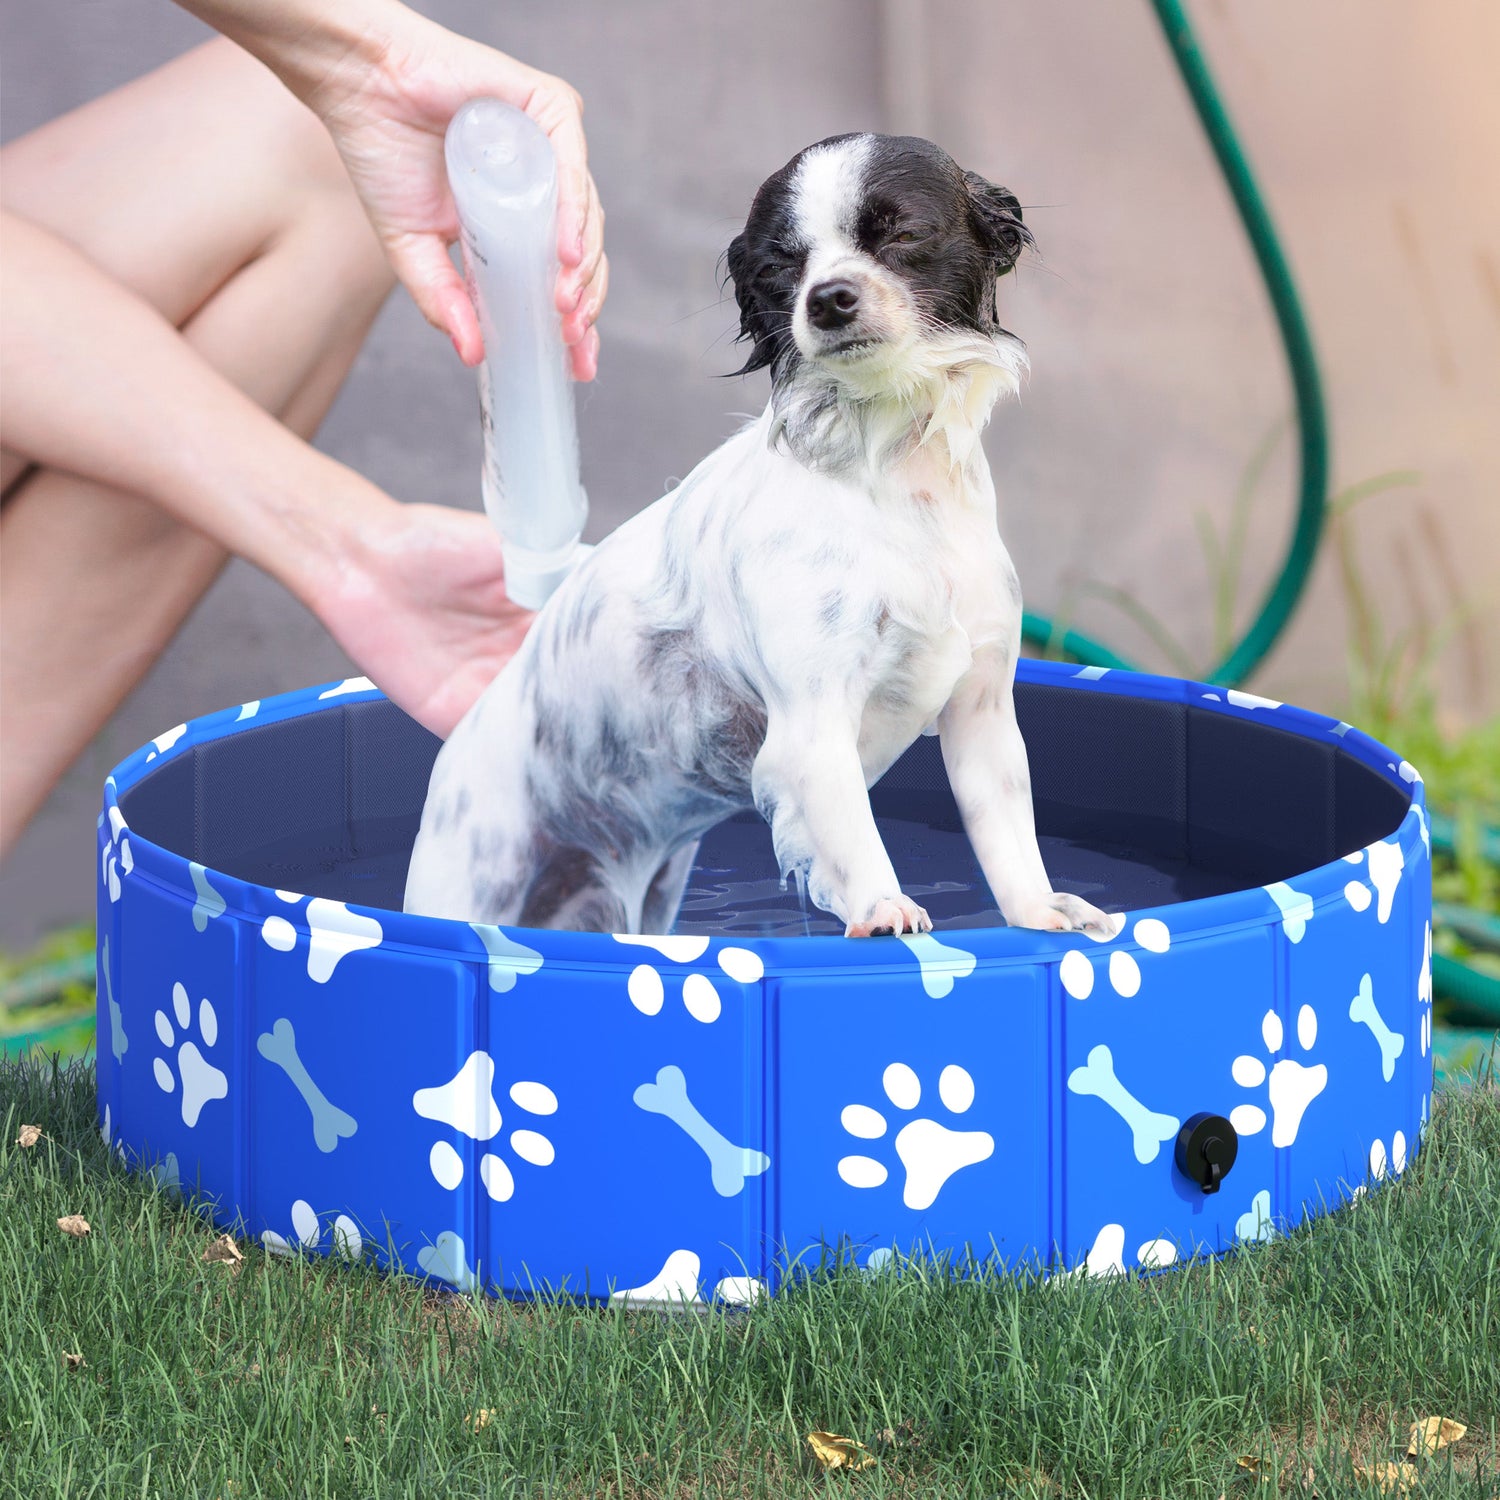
x,y
832,304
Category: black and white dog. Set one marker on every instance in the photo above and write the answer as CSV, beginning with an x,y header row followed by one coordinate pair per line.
x,y
818,592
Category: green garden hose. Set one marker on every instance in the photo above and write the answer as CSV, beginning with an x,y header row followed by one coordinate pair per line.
x,y
1249,651
1474,994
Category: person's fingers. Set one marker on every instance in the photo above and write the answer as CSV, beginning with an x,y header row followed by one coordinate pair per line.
x,y
584,356
574,286
422,263
586,314
558,109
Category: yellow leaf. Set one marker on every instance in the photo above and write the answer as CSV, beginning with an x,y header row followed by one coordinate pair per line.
x,y
1432,1433
834,1452
75,1225
1248,1462
479,1420
29,1136
1390,1479
224,1251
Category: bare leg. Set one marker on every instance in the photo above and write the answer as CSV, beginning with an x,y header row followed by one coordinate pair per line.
x,y
240,228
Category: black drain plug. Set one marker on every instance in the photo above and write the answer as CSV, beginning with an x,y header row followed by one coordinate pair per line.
x,y
1206,1148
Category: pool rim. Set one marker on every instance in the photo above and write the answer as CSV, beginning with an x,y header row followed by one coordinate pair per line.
x,y
1250,906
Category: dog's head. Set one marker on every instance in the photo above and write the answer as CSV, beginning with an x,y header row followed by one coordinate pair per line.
x,y
865,248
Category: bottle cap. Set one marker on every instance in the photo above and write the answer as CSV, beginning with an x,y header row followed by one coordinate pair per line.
x,y
532,578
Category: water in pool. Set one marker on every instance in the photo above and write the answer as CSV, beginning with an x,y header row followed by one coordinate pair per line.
x,y
735,889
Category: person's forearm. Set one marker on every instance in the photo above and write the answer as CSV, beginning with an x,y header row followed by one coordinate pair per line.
x,y
98,384
308,44
305,42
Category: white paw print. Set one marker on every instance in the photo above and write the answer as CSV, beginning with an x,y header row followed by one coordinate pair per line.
x,y
647,991
930,1152
1077,969
307,1232
1293,1085
116,860
201,1080
467,1103
1382,1162
333,932
1384,863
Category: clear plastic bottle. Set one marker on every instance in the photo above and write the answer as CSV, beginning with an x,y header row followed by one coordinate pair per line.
x,y
504,180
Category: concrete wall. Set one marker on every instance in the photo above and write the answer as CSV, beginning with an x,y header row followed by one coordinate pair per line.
x,y
1374,126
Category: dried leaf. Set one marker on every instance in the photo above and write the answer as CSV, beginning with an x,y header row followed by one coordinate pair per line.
x,y
479,1420
75,1225
1248,1462
1390,1479
73,1361
834,1452
29,1136
224,1251
1432,1433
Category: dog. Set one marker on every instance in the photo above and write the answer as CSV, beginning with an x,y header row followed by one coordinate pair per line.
x,y
780,627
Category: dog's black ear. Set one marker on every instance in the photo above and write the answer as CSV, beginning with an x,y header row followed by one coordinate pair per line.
x,y
997,215
737,260
753,315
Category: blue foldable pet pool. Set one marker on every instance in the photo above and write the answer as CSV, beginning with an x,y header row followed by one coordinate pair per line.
x,y
692,1116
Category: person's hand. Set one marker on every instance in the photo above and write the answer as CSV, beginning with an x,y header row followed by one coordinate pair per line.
x,y
387,105
420,606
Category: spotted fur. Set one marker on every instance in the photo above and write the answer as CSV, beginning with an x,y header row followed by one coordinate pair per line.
x,y
781,626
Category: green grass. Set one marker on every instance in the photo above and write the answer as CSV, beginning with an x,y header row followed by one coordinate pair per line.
x,y
307,1378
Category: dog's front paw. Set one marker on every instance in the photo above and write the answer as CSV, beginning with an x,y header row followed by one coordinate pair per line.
x,y
1060,912
891,914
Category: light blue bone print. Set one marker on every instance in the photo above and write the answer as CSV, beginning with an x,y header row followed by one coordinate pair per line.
x,y
119,1043
1148,1128
941,965
1256,1223
730,1164
1362,1011
1296,909
330,1124
508,958
209,903
446,1261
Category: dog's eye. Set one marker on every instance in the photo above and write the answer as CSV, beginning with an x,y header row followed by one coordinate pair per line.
x,y
771,271
908,236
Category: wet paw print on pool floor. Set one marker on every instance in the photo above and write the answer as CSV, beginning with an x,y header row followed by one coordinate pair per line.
x,y
1124,973
930,1151
467,1103
1290,1085
648,991
201,1080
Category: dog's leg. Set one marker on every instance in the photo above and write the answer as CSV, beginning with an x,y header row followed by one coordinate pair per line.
x,y
809,786
986,760
664,895
571,892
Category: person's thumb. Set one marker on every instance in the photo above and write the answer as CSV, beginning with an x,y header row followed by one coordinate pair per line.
x,y
422,263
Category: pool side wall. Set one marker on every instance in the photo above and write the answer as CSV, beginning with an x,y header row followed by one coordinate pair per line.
x,y
528,1110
